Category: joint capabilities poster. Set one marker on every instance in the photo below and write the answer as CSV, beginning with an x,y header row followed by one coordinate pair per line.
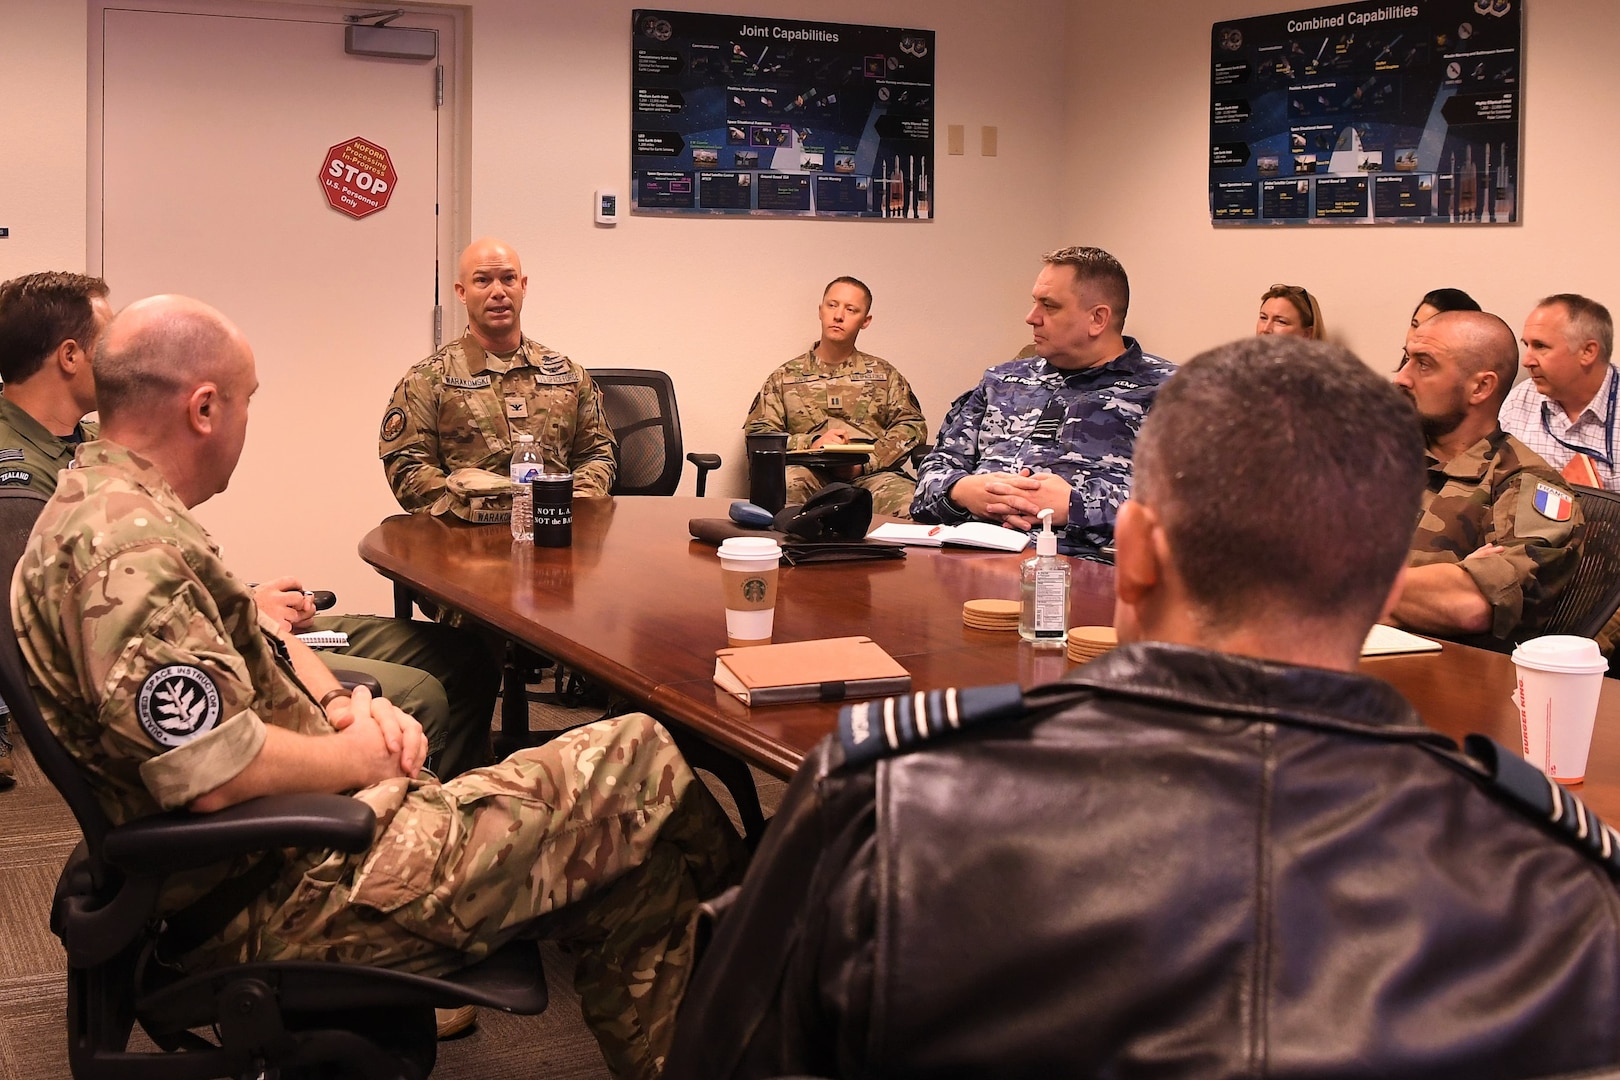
x,y
1404,113
737,115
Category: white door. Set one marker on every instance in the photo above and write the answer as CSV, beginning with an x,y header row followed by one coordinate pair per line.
x,y
206,179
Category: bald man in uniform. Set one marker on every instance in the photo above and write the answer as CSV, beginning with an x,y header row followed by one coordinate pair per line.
x,y
49,324
155,668
463,407
1499,535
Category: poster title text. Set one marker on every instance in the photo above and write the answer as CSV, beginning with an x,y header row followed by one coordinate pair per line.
x,y
787,33
1352,18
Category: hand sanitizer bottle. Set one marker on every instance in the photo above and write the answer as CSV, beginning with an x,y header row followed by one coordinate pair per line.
x,y
1044,590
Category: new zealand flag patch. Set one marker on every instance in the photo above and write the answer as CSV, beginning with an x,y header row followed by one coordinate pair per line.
x,y
1552,504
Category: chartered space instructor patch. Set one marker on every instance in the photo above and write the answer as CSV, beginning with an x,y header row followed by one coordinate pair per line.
x,y
178,703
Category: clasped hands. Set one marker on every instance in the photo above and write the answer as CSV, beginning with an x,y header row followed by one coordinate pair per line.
x,y
1014,499
382,739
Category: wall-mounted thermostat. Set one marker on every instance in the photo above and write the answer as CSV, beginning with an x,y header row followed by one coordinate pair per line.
x,y
607,207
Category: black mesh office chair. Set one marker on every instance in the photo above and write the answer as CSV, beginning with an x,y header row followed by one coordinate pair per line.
x,y
640,405
269,1018
1593,595
641,410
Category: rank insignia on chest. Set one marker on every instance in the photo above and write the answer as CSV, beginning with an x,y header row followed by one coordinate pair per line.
x,y
516,408
835,401
1552,504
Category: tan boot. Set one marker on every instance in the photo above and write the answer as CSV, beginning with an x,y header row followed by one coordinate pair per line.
x,y
8,775
454,1022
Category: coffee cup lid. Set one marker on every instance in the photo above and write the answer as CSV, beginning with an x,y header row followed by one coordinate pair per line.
x,y
751,547
1561,653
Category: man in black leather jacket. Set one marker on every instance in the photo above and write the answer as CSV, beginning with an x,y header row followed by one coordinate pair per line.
x,y
1215,852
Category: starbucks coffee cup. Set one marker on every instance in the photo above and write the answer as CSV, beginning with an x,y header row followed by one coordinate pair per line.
x,y
1559,681
749,566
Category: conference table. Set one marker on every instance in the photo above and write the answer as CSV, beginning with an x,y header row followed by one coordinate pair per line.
x,y
635,604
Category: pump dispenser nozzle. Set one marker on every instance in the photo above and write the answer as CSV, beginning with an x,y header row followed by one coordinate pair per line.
x,y
1046,539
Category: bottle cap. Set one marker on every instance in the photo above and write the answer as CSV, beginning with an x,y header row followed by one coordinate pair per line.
x,y
1046,539
525,438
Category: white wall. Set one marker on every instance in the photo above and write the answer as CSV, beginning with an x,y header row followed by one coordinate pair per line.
x,y
42,172
717,303
1136,182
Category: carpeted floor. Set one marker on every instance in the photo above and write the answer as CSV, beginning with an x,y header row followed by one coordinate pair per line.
x,y
38,833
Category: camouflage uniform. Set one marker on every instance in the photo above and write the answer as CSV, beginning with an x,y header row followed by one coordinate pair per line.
x,y
1027,414
1487,495
461,408
865,394
30,456
158,673
444,677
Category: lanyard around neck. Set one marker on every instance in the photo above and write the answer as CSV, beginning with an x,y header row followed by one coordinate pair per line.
x,y
1608,427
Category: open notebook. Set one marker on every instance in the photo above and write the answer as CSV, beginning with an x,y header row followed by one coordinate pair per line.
x,y
1388,641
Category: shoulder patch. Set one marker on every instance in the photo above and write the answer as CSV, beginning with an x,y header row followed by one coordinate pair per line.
x,y
11,453
15,476
872,729
1553,503
177,703
393,425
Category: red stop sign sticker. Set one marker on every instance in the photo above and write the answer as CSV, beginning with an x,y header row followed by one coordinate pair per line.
x,y
358,177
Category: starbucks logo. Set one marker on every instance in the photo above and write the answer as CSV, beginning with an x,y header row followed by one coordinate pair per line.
x,y
754,589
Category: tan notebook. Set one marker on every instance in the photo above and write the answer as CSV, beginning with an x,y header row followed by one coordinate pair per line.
x,y
826,669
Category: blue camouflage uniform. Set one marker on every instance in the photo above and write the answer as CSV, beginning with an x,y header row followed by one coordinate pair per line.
x,y
1027,414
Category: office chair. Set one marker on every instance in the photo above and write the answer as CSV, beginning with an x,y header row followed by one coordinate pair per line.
x,y
269,1018
640,406
1593,595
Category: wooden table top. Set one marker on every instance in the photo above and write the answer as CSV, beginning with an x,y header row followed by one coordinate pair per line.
x,y
636,603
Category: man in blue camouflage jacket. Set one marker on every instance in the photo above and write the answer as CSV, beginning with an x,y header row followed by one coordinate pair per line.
x,y
1056,430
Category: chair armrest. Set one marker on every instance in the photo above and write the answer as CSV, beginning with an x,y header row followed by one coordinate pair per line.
x,y
352,679
706,464
165,843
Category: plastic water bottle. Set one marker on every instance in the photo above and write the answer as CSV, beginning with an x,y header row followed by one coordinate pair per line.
x,y
525,467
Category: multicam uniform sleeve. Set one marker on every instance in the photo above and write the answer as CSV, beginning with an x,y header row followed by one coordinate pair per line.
x,y
768,413
409,442
593,457
168,689
904,426
955,455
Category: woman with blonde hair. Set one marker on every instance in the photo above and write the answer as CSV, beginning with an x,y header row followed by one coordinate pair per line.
x,y
1290,309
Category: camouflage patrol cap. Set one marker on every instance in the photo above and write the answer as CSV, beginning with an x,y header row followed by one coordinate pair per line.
x,y
475,495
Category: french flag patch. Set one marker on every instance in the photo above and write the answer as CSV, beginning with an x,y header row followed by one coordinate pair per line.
x,y
1553,504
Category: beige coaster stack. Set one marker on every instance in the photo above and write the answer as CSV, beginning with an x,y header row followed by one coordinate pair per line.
x,y
1090,642
990,614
